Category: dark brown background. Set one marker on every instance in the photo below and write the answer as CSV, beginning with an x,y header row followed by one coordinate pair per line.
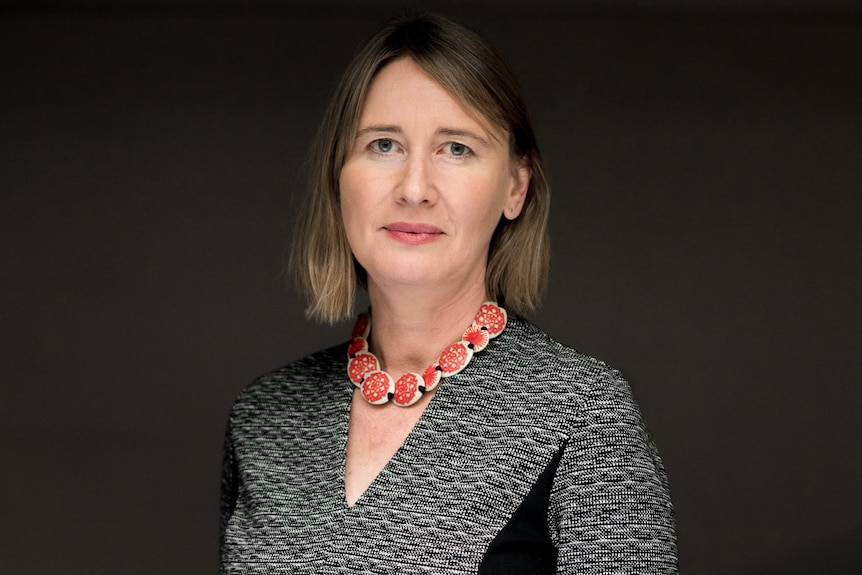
x,y
706,162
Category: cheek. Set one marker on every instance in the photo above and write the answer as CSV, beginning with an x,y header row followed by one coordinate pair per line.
x,y
350,217
355,185
356,209
349,189
348,204
480,211
490,208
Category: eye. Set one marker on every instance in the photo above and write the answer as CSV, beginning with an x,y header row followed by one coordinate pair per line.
x,y
458,150
383,145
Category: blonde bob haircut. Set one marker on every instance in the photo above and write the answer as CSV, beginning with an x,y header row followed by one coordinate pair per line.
x,y
322,266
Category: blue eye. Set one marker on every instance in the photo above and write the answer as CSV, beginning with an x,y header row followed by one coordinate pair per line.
x,y
383,145
457,149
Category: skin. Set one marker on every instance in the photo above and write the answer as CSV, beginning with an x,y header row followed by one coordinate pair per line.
x,y
422,191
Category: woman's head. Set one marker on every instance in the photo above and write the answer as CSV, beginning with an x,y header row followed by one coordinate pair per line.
x,y
468,68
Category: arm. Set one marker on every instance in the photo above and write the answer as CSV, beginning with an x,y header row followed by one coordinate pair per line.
x,y
228,484
610,508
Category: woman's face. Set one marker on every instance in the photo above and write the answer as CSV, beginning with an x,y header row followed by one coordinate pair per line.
x,y
425,184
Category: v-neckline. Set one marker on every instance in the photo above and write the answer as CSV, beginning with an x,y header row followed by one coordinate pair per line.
x,y
409,440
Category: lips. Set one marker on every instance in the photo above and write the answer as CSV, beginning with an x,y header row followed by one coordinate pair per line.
x,y
413,233
409,228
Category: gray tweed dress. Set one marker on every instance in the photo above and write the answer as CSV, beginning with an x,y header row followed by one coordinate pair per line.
x,y
533,459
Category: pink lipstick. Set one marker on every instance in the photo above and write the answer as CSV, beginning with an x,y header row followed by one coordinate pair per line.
x,y
413,233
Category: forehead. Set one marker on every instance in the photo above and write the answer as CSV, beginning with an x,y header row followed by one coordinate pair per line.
x,y
403,88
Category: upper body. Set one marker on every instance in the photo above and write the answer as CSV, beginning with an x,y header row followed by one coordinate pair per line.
x,y
533,453
427,190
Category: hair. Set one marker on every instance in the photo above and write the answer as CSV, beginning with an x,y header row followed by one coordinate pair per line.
x,y
322,266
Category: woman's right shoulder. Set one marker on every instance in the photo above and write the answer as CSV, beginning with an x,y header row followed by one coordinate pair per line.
x,y
303,380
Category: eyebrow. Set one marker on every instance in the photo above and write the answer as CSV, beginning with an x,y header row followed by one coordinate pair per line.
x,y
463,134
392,129
388,129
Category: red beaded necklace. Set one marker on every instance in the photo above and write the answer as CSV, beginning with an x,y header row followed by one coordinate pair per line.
x,y
378,387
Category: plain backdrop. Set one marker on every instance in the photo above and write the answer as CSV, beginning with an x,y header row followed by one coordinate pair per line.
x,y
706,169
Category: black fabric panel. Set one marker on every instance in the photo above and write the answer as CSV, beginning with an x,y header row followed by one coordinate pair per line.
x,y
524,545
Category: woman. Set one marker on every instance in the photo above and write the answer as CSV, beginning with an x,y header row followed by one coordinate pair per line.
x,y
449,435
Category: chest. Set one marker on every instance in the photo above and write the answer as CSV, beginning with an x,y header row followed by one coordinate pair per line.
x,y
375,434
432,489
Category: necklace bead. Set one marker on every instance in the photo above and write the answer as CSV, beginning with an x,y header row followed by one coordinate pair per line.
x,y
378,387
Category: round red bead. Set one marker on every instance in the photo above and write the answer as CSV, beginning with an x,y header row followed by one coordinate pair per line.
x,y
361,364
377,387
454,358
493,317
431,377
407,389
477,337
358,344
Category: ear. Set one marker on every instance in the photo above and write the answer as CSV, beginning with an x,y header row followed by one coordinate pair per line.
x,y
521,174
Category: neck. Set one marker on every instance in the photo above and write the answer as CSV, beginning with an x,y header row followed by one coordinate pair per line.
x,y
409,330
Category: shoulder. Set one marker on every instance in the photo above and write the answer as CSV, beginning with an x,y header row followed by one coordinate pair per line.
x,y
544,365
307,382
528,379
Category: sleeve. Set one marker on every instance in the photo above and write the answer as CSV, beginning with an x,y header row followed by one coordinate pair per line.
x,y
610,508
229,481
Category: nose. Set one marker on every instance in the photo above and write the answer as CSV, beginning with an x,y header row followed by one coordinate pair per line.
x,y
417,186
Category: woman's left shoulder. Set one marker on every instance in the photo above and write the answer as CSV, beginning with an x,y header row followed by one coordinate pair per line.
x,y
557,368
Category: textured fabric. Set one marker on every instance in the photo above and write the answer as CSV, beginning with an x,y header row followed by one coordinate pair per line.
x,y
476,453
524,545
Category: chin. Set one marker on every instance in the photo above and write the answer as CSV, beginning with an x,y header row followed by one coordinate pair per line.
x,y
409,277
